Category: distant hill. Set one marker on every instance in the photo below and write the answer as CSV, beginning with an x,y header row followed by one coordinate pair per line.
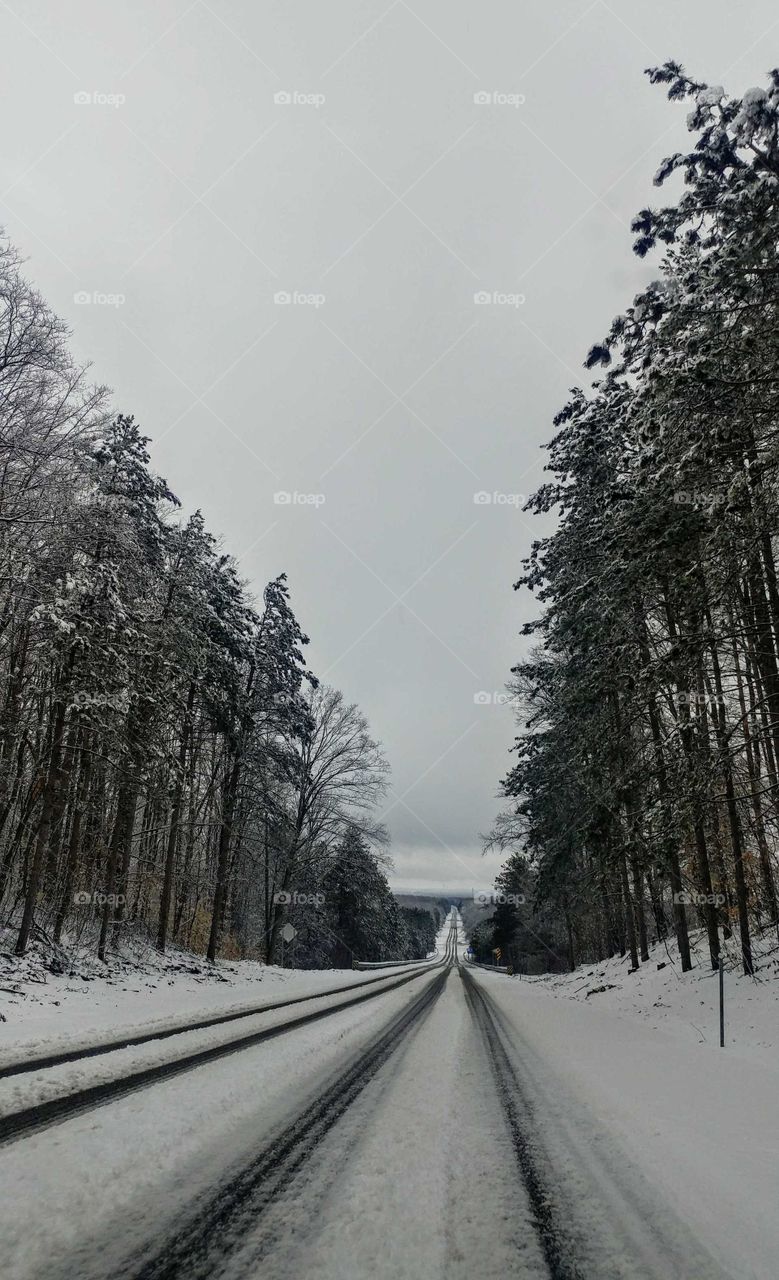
x,y
427,902
471,912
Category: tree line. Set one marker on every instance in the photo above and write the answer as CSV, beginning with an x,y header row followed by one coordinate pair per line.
x,y
346,911
517,922
168,763
645,789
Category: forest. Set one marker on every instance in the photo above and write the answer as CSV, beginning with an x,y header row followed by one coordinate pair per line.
x,y
170,768
645,785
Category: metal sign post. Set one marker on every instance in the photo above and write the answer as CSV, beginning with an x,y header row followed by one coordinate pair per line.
x,y
288,934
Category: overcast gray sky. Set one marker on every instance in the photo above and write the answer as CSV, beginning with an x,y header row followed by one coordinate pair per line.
x,y
197,160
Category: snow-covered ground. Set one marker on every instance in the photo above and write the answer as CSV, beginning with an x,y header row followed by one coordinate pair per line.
x,y
44,1010
684,1006
82,1198
417,1180
656,1150
699,1122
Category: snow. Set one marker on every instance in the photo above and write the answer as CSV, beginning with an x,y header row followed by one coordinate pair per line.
x,y
80,1198
661,1147
423,1163
684,1006
749,117
31,1088
44,1012
700,1123
83,1197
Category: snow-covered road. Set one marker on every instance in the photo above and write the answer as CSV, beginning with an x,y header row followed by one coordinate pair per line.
x,y
465,1124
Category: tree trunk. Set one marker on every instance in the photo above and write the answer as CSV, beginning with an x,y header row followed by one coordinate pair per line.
x,y
229,794
47,816
74,842
121,837
628,911
175,816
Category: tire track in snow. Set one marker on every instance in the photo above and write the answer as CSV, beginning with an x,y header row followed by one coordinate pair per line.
x,y
165,1031
218,1230
596,1216
18,1123
557,1251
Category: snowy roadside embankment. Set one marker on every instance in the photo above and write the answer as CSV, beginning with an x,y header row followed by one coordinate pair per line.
x,y
42,1011
138,990
701,1123
683,1005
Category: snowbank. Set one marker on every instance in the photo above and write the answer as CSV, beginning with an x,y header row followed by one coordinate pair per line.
x,y
684,1005
135,990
